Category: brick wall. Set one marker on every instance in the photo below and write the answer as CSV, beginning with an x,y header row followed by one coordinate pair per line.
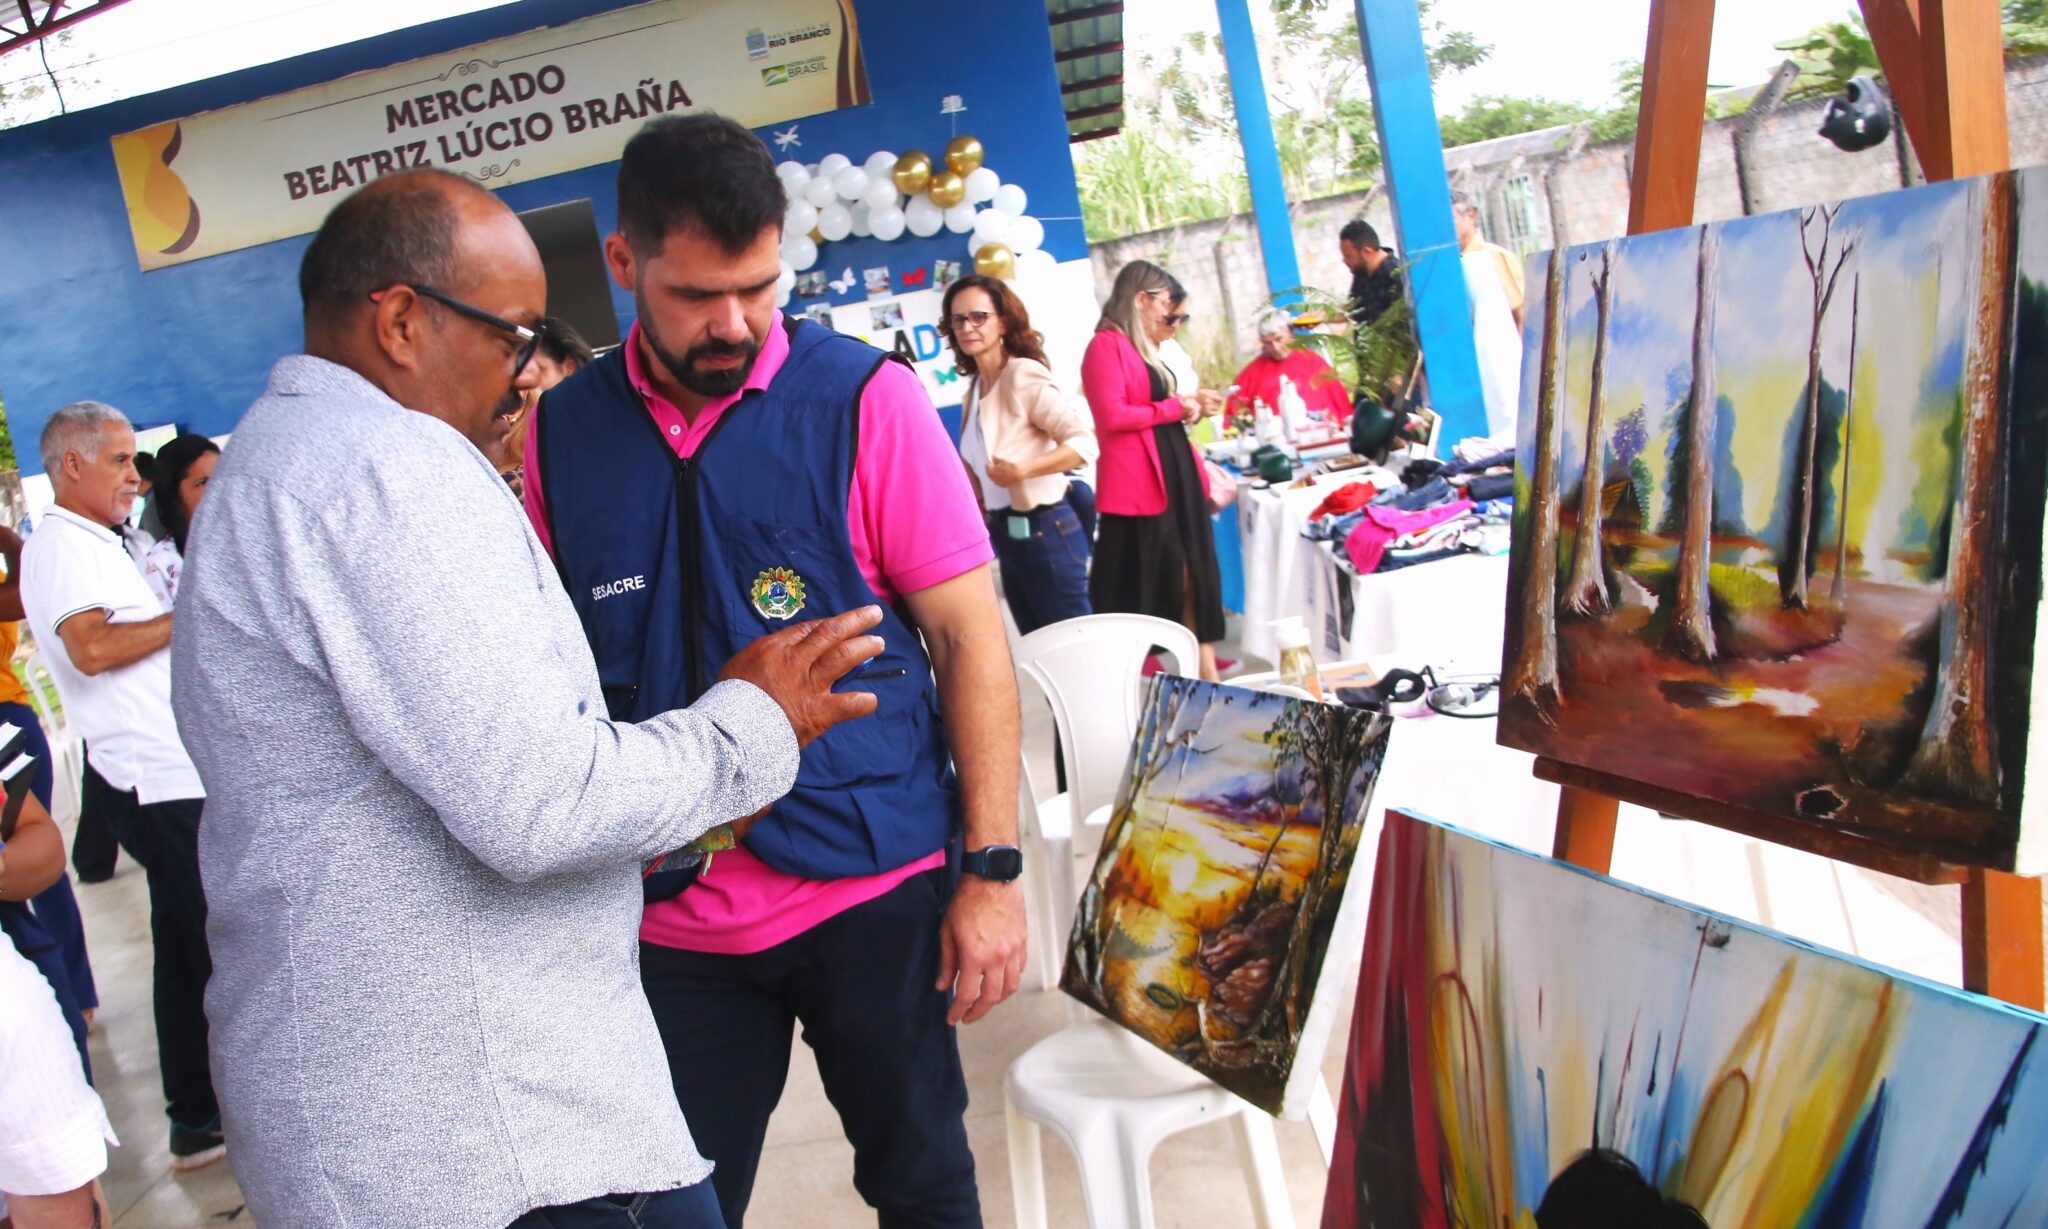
x,y
1577,193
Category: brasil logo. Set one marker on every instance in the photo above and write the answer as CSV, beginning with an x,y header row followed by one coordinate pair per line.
x,y
778,593
778,75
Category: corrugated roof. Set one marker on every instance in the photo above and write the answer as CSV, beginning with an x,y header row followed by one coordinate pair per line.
x,y
1088,47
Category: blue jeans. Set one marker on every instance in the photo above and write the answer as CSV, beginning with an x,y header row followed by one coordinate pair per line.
x,y
691,1207
1045,572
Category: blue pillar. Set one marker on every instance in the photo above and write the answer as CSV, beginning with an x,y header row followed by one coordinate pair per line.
x,y
1261,151
1412,148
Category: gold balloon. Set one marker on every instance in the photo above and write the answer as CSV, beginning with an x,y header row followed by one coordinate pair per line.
x,y
996,260
946,189
817,236
963,155
913,171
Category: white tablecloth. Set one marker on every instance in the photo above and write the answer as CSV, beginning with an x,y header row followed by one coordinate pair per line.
x,y
1448,613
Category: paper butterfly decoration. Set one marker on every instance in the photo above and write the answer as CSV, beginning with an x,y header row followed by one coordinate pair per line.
x,y
844,282
914,278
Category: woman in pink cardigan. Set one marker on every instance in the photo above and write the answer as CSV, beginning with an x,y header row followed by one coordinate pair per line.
x,y
1155,552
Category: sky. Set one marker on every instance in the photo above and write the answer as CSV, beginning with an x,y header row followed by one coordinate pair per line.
x,y
149,45
1537,54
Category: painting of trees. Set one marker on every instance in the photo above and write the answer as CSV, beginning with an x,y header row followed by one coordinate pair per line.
x,y
1214,902
1817,241
1586,591
1957,754
1532,675
1690,633
1838,590
1799,591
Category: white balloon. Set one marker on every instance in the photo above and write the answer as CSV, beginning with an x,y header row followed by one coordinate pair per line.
x,y
811,169
879,164
800,217
922,217
788,167
1036,263
851,183
819,192
1026,233
800,252
887,223
785,280
1010,199
991,226
960,218
832,164
881,193
834,222
982,184
781,296
863,224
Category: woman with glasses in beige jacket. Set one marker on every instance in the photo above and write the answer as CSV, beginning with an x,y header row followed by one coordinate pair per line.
x,y
1019,435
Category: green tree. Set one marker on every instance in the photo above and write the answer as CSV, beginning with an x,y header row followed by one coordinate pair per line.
x,y
26,82
1178,159
7,459
1832,53
1493,115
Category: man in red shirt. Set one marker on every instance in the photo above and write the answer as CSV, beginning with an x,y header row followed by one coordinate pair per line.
x,y
1320,389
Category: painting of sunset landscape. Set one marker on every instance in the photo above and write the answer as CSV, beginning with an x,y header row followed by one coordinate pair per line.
x,y
1778,521
1224,875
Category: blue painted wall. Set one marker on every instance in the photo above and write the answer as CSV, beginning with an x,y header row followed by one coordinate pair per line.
x,y
191,344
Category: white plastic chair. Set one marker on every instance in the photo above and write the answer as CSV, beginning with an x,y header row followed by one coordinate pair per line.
x,y
1091,671
1113,1098
67,758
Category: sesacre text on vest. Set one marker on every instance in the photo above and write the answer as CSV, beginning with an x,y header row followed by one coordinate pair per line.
x,y
616,587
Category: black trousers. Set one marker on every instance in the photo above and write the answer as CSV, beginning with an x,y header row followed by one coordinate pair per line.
x,y
93,850
861,986
163,838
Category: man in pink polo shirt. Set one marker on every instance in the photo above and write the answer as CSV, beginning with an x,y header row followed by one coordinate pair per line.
x,y
724,470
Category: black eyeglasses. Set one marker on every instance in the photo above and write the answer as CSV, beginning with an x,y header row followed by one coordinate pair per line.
x,y
529,339
1176,319
962,319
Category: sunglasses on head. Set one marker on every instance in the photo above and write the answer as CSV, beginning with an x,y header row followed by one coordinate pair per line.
x,y
529,339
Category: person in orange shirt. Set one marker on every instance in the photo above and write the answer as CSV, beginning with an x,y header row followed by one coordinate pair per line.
x,y
46,928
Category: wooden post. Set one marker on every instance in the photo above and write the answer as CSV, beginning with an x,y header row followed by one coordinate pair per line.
x,y
1585,828
1662,186
1945,63
1666,175
2002,953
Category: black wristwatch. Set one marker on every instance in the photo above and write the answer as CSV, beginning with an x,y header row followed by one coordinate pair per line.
x,y
1001,863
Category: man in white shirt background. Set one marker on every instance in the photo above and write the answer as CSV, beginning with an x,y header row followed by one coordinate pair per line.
x,y
105,638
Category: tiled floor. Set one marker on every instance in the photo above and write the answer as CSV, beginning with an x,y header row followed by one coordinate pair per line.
x,y
806,1176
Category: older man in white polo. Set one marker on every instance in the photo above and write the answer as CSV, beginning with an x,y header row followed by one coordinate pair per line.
x,y
106,639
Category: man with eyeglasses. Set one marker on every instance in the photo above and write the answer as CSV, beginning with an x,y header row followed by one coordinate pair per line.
x,y
424,839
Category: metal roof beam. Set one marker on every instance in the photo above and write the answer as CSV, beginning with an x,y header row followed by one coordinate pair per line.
x,y
30,28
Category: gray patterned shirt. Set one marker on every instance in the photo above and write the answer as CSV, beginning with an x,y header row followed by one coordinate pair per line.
x,y
422,837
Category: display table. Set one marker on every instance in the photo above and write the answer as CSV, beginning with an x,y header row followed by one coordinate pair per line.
x,y
1448,613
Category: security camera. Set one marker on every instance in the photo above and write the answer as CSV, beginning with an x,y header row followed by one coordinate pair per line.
x,y
1860,118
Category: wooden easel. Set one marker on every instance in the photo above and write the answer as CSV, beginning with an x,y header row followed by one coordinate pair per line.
x,y
1944,63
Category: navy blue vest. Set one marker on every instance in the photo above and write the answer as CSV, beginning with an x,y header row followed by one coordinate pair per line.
x,y
672,566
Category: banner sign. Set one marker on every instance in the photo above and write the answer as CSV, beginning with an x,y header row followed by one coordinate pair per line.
x,y
519,108
906,324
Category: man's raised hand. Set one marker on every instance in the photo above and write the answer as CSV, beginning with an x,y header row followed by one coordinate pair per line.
x,y
798,665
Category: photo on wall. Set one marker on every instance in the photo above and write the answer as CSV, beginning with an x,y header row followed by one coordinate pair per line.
x,y
1778,514
1225,878
1534,1044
